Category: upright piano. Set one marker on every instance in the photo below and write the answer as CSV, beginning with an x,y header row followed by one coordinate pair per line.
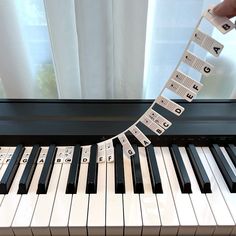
x,y
58,178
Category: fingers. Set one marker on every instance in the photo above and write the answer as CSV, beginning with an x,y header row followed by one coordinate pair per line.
x,y
226,8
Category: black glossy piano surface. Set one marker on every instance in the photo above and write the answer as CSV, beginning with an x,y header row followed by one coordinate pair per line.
x,y
90,121
53,183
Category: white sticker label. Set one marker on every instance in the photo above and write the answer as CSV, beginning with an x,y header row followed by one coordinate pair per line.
x,y
186,81
170,105
158,119
109,151
223,24
109,144
152,125
25,156
180,90
85,156
110,157
207,42
138,134
67,160
101,152
127,148
197,63
42,155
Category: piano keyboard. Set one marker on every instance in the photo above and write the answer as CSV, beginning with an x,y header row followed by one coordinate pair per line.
x,y
98,190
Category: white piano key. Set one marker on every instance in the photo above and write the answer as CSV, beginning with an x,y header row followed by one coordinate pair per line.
x,y
223,24
97,202
219,208
132,210
79,205
127,148
185,80
25,209
157,129
228,159
169,219
10,202
43,209
207,42
200,204
197,63
169,105
114,203
228,196
148,201
138,134
158,119
61,207
85,154
180,90
3,154
186,214
6,155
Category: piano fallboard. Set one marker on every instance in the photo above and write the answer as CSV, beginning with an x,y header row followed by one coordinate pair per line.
x,y
67,122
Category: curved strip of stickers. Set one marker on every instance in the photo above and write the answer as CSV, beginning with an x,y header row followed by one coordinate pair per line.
x,y
179,83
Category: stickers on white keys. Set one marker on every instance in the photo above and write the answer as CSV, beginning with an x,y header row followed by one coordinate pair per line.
x,y
68,155
185,80
101,153
9,155
42,155
25,156
128,150
207,42
109,150
223,24
180,90
138,134
60,155
85,156
169,105
3,154
158,119
197,63
152,125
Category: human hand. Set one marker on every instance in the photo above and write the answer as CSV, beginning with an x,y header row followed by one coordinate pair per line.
x,y
226,8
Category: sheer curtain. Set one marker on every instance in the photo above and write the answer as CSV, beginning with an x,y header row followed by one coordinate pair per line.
x,y
95,49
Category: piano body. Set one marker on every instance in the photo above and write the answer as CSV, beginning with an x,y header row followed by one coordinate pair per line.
x,y
53,183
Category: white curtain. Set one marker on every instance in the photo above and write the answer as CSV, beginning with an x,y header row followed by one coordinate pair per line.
x,y
15,66
98,47
169,28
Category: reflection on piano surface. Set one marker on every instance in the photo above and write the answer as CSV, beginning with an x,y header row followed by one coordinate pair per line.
x,y
56,180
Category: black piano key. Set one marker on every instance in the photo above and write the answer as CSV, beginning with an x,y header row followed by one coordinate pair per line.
x,y
180,169
136,171
153,170
231,150
72,181
47,170
119,169
11,170
224,167
29,170
92,171
201,175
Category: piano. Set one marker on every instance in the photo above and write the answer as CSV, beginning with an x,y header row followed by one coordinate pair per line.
x,y
57,177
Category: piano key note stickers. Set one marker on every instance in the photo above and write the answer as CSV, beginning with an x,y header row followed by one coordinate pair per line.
x,y
180,83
